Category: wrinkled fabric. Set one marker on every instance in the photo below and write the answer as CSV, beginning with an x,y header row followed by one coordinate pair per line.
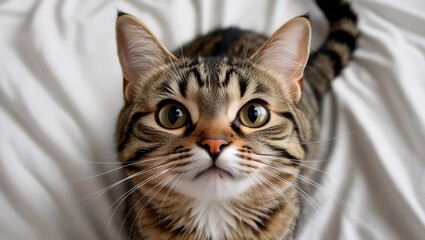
x,y
61,92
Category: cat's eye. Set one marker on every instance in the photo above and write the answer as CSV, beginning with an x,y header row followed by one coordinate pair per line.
x,y
172,116
254,115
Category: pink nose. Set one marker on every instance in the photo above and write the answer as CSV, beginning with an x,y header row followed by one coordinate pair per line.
x,y
214,146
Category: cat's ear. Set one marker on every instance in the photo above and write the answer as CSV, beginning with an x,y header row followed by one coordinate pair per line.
x,y
286,53
139,51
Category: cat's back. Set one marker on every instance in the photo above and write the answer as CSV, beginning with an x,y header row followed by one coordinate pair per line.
x,y
230,42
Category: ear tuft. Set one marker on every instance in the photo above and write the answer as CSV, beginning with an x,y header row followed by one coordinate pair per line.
x,y
286,53
306,16
120,13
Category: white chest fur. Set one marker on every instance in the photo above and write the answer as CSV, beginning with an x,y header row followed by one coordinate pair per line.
x,y
214,218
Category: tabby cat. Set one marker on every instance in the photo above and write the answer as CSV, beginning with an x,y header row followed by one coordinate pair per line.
x,y
213,137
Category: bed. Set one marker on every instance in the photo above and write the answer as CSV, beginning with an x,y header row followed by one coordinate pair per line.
x,y
61,91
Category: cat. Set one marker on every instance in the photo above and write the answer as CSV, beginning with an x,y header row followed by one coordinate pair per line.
x,y
213,137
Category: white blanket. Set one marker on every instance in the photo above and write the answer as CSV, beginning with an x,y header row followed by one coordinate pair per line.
x,y
61,91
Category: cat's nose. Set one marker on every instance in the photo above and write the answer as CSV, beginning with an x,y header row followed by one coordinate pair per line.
x,y
214,146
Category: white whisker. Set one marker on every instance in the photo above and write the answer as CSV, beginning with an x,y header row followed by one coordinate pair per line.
x,y
334,138
137,202
161,185
297,212
146,159
97,194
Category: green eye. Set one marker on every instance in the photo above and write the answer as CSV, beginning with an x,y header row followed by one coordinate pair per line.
x,y
172,116
254,115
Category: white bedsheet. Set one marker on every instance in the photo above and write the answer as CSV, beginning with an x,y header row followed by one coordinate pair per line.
x,y
60,93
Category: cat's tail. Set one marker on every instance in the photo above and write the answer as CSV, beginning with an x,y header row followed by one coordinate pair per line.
x,y
328,62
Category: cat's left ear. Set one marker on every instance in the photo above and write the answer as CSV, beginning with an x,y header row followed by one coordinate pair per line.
x,y
286,53
139,51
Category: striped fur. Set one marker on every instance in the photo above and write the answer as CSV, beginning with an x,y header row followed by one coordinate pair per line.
x,y
259,192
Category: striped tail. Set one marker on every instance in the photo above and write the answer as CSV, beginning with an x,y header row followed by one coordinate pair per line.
x,y
328,62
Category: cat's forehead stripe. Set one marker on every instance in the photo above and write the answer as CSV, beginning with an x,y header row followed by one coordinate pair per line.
x,y
228,74
182,82
243,85
208,73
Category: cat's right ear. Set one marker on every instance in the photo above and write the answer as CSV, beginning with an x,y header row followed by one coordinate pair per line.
x,y
286,53
139,51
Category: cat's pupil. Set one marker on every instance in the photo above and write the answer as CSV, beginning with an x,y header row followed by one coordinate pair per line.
x,y
253,113
174,114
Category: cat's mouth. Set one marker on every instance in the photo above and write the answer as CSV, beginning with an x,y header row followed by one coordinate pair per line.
x,y
215,170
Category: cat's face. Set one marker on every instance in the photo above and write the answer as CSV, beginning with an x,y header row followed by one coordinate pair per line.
x,y
210,128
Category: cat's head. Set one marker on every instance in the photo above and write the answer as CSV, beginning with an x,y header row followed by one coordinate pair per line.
x,y
212,128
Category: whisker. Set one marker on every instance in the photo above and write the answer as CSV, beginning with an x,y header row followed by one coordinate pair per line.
x,y
298,189
161,185
257,190
179,36
172,188
145,159
251,197
271,196
333,138
280,156
137,202
123,197
301,177
173,70
305,195
97,194
281,194
298,163
249,43
105,163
